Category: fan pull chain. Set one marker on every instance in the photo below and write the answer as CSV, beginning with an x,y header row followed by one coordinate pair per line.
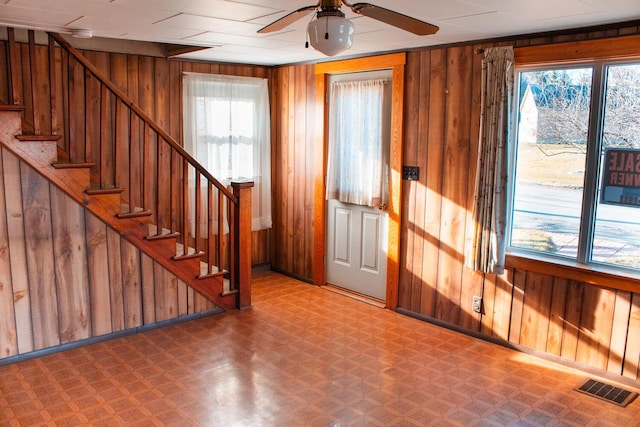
x,y
326,34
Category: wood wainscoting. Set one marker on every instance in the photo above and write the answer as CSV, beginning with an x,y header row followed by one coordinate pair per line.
x,y
586,322
66,277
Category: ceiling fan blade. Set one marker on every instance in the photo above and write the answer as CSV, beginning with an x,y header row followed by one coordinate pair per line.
x,y
287,20
396,19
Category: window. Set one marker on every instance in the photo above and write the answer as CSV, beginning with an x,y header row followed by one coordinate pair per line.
x,y
227,130
576,164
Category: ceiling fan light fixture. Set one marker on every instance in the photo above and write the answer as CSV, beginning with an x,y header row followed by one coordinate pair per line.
x,y
331,33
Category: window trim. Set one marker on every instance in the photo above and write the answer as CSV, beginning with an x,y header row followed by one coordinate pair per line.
x,y
597,54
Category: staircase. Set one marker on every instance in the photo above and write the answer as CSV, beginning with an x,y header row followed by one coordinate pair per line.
x,y
126,170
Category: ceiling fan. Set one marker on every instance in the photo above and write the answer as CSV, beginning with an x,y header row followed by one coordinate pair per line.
x,y
331,33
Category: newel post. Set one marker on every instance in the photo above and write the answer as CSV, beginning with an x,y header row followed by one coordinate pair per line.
x,y
242,245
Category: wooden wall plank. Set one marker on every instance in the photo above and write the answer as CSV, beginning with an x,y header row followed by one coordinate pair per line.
x,y
517,305
473,282
622,311
454,188
502,305
421,190
76,117
572,316
632,352
8,329
166,293
595,326
409,292
42,109
310,155
116,284
26,96
556,318
183,299
4,74
98,265
92,101
536,311
487,307
18,252
59,86
119,76
162,108
297,159
131,283
148,291
39,251
289,178
436,101
69,253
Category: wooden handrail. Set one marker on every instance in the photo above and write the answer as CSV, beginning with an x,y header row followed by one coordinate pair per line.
x,y
132,157
150,122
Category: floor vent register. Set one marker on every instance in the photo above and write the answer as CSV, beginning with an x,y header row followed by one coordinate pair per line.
x,y
607,392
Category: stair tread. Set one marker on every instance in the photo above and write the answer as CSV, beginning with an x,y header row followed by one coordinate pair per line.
x,y
162,236
97,191
72,165
7,107
38,137
135,214
188,256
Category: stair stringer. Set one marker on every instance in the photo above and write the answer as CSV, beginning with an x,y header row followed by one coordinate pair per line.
x,y
41,154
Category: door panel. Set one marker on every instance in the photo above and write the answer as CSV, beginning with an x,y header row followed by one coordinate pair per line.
x,y
370,242
356,248
342,236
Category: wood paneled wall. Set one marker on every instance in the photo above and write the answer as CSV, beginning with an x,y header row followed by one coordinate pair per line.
x,y
153,83
293,132
590,324
65,276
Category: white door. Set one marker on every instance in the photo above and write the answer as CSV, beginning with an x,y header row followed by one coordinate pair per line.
x,y
356,257
357,248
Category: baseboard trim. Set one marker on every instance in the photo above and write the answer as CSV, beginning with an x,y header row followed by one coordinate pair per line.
x,y
93,340
588,370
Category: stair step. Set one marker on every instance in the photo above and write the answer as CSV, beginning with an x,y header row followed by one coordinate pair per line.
x,y
187,256
162,236
136,214
97,191
38,137
209,275
69,165
230,292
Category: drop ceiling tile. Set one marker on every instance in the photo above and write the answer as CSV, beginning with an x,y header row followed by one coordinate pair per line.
x,y
205,23
487,25
222,9
225,39
174,35
539,9
429,10
37,16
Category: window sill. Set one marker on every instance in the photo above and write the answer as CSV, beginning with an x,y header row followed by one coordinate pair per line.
x,y
594,275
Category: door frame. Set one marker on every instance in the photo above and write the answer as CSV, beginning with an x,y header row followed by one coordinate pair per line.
x,y
395,62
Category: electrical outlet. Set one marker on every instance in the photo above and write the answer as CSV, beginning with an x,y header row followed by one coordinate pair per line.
x,y
476,305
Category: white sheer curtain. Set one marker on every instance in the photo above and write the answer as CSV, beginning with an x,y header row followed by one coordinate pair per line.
x,y
487,251
357,164
227,130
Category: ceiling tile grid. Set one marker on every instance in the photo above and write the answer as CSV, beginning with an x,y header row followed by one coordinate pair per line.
x,y
229,28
